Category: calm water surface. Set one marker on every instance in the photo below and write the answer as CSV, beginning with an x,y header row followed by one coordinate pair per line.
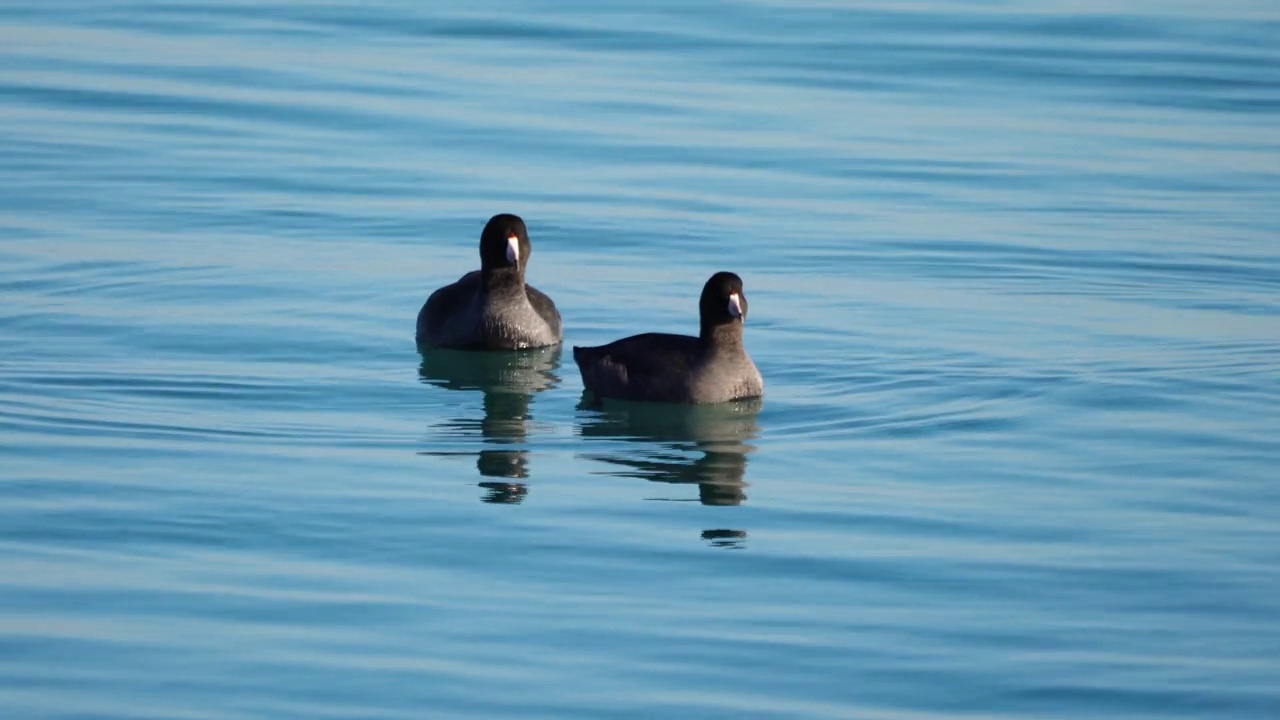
x,y
1015,292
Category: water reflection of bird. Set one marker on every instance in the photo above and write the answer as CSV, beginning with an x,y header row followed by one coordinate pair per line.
x,y
508,382
725,538
702,444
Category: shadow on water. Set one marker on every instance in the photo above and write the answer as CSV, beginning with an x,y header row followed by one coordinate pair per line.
x,y
508,381
703,445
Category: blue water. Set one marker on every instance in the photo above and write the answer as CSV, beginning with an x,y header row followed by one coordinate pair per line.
x,y
1014,281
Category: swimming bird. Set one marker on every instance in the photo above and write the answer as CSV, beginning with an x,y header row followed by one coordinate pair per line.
x,y
492,308
661,367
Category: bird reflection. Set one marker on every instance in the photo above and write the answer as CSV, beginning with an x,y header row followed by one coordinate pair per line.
x,y
706,445
725,538
508,381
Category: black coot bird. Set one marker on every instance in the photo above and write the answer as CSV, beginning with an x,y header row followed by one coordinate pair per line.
x,y
492,308
660,367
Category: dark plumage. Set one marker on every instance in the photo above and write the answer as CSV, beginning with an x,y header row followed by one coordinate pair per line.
x,y
492,308
660,367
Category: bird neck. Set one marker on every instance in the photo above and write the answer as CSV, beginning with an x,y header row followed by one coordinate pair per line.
x,y
721,335
502,280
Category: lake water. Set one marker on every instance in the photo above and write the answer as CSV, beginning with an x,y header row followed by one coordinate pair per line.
x,y
1014,274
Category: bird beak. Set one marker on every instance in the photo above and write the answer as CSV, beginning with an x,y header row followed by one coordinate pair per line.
x,y
513,249
735,305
